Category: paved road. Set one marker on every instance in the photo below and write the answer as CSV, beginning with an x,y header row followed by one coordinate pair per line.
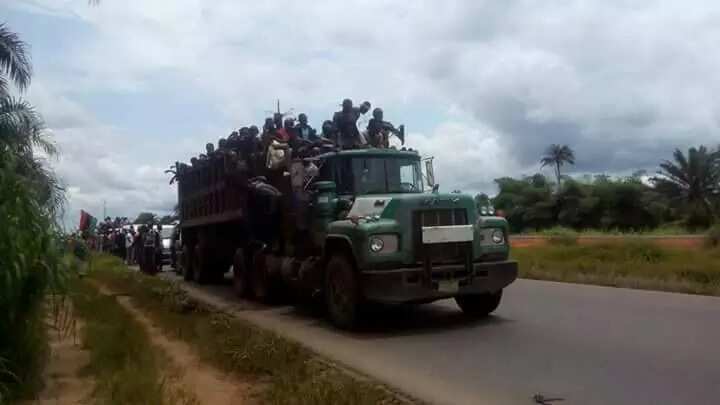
x,y
585,344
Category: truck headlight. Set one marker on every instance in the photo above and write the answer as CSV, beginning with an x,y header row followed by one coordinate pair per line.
x,y
166,243
383,243
376,244
497,236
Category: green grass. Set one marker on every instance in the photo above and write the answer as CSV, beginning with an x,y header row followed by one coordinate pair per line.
x,y
126,368
665,230
632,264
289,373
22,365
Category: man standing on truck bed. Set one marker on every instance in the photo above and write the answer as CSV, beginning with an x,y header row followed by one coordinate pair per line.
x,y
345,121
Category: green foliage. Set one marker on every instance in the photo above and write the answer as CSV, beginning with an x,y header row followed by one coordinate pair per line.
x,y
624,263
31,250
556,156
168,219
30,262
145,218
693,182
713,237
562,236
624,204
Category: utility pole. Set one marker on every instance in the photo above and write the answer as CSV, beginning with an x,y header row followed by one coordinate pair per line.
x,y
104,209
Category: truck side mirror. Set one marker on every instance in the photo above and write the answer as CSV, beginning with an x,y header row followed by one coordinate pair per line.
x,y
429,173
435,188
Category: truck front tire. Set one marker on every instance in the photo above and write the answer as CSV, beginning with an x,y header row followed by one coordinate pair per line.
x,y
479,305
342,294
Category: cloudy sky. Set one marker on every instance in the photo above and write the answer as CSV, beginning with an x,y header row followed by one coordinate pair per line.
x,y
127,87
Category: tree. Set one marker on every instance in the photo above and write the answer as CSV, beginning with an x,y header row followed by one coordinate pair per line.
x,y
21,127
557,156
482,200
168,219
14,61
31,251
146,218
693,180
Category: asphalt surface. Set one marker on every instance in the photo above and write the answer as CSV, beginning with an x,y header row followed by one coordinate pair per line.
x,y
582,344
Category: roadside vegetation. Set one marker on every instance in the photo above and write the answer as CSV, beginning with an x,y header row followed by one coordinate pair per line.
x,y
288,373
31,244
630,263
126,368
682,197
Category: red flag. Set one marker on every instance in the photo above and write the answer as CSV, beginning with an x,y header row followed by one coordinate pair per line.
x,y
84,220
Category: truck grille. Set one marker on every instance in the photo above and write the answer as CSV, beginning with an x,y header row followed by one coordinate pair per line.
x,y
440,253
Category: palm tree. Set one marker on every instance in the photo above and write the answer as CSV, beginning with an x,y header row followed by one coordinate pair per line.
x,y
22,131
557,156
14,61
693,179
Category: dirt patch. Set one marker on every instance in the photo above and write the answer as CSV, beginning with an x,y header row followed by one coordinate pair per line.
x,y
64,383
207,384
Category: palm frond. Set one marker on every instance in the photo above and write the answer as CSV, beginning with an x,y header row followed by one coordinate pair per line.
x,y
21,127
14,59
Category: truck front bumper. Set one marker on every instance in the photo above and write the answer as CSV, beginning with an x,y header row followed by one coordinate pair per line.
x,y
417,285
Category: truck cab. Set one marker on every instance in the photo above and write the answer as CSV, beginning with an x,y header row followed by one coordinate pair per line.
x,y
387,238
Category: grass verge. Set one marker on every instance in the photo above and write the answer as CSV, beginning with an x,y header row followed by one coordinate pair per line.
x,y
289,373
631,264
127,369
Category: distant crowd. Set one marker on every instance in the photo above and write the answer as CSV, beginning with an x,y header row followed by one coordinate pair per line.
x,y
131,242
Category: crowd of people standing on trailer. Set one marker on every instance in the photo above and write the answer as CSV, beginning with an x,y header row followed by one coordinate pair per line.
x,y
281,133
277,163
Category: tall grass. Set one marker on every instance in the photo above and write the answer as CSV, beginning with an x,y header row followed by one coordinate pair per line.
x,y
289,373
634,264
126,368
663,230
30,262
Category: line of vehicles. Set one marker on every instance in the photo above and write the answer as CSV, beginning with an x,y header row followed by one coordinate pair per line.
x,y
345,227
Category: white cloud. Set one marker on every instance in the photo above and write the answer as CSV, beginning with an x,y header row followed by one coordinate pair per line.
x,y
622,82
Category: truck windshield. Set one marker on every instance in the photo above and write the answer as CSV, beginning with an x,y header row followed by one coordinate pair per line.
x,y
376,175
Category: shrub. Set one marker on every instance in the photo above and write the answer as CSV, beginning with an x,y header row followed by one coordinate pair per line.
x,y
561,236
713,237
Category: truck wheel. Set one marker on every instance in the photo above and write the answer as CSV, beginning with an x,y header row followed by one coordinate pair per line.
x,y
479,305
240,274
260,280
342,295
200,265
187,269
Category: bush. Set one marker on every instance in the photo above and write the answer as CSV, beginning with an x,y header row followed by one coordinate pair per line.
x,y
561,236
713,237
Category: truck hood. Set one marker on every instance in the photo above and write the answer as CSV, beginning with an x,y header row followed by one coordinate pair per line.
x,y
395,206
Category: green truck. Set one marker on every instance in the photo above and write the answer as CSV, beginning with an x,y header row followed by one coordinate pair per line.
x,y
365,225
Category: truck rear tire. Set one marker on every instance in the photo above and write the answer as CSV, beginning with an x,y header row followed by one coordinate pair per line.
x,y
479,305
201,270
342,292
187,260
241,283
260,279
